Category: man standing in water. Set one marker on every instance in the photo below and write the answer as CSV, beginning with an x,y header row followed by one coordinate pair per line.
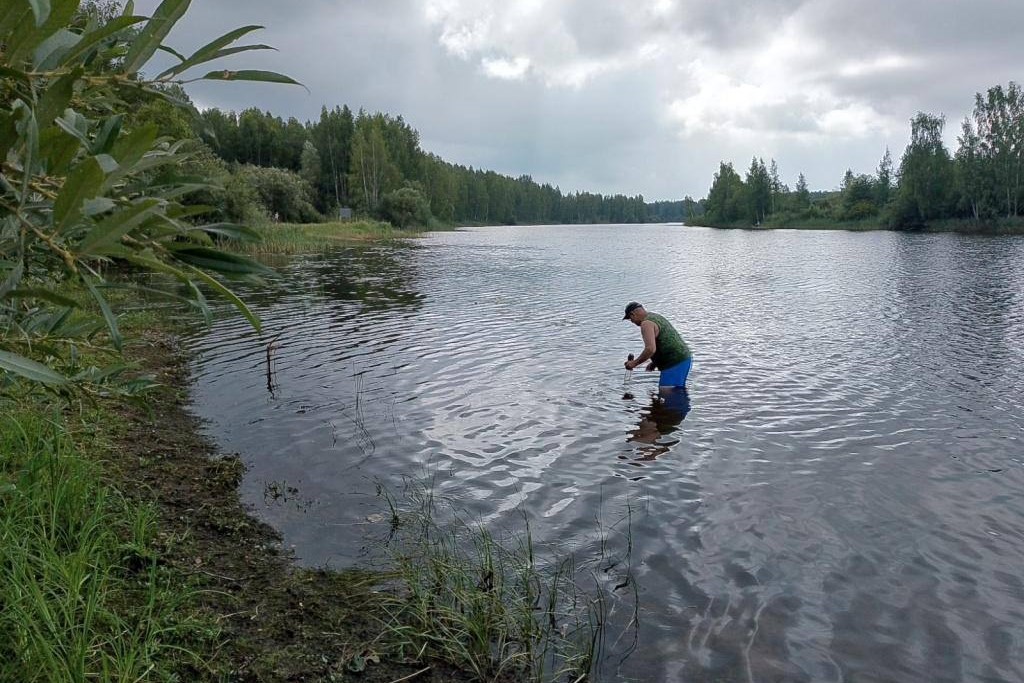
x,y
662,346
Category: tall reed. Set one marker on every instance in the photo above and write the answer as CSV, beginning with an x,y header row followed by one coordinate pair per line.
x,y
490,605
293,238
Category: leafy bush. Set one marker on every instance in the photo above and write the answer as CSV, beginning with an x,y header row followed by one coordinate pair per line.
x,y
280,193
860,210
241,202
405,207
81,183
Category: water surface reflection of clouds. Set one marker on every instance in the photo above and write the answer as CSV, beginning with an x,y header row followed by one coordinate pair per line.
x,y
842,502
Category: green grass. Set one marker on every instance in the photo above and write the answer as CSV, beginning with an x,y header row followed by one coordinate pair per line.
x,y
87,595
83,594
487,605
864,225
292,238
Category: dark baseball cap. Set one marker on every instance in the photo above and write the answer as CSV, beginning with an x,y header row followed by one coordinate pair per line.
x,y
630,307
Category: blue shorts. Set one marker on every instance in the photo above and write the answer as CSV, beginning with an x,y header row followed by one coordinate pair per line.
x,y
675,376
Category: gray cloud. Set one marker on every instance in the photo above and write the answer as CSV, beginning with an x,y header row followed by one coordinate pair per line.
x,y
644,97
958,48
732,24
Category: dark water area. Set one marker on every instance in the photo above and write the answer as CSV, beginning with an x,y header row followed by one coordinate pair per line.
x,y
838,497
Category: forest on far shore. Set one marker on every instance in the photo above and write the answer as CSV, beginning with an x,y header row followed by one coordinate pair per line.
x,y
981,183
294,171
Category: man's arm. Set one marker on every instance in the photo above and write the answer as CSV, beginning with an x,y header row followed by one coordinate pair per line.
x,y
649,332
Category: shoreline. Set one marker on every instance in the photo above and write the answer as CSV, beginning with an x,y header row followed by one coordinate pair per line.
x,y
277,620
293,238
211,588
1001,227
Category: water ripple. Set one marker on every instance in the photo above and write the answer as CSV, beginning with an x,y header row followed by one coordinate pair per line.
x,y
840,502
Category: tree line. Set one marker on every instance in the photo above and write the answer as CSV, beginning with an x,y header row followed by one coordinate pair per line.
x,y
981,182
373,164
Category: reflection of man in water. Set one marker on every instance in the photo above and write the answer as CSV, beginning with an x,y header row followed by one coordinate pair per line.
x,y
667,411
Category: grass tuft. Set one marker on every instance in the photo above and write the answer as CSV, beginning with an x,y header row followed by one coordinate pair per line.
x,y
487,605
83,597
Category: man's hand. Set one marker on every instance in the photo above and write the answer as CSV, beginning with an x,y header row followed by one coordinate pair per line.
x,y
650,366
630,364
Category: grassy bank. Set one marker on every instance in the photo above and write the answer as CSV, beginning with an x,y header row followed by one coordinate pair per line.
x,y
1000,226
292,238
127,555
82,589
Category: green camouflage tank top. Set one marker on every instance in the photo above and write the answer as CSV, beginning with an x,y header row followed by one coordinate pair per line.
x,y
671,350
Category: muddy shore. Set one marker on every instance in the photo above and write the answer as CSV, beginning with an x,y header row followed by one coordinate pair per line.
x,y
277,621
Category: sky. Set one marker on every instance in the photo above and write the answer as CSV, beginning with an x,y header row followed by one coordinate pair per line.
x,y
632,97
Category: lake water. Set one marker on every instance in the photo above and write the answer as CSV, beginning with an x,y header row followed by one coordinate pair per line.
x,y
841,498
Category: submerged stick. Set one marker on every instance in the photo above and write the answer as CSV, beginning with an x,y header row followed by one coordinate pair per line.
x,y
271,345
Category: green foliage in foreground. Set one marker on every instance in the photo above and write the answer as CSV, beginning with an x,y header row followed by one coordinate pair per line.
x,y
82,188
84,597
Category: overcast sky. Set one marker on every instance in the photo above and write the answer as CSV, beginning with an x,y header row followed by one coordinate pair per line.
x,y
637,96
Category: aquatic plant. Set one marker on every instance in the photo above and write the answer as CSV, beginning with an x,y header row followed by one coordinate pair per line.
x,y
489,604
